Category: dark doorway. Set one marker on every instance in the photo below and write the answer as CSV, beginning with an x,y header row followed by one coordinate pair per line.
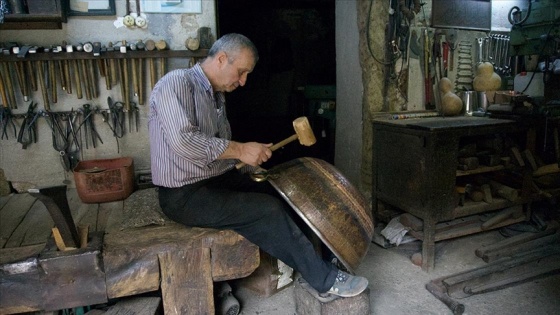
x,y
296,43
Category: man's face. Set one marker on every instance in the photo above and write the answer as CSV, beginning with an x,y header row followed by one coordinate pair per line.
x,y
235,74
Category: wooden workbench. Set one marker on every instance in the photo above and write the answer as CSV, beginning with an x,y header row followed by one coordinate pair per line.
x,y
121,259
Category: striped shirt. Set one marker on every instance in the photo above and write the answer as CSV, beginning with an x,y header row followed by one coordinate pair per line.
x,y
188,129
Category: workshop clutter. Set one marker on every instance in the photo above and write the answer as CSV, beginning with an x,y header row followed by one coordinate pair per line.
x,y
104,180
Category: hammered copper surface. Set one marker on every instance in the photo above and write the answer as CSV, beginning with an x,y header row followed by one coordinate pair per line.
x,y
332,207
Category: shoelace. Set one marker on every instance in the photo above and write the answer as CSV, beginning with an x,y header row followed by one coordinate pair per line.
x,y
341,277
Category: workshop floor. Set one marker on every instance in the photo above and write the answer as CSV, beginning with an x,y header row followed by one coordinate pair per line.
x,y
398,287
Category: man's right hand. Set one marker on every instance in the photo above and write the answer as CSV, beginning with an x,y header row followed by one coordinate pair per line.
x,y
251,153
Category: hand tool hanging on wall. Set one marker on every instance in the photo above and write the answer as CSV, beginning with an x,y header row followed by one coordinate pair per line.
x,y
76,72
41,73
150,46
89,126
73,148
134,68
139,20
445,56
6,73
3,92
128,20
426,64
125,85
162,45
51,64
90,72
66,69
6,121
112,66
141,47
437,55
59,138
22,78
28,131
114,117
106,65
451,38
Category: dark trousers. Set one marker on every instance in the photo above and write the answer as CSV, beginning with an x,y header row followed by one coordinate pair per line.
x,y
255,211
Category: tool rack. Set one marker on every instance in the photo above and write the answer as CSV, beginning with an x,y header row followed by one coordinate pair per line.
x,y
79,55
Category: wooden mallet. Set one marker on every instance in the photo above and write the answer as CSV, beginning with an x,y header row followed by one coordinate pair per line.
x,y
303,132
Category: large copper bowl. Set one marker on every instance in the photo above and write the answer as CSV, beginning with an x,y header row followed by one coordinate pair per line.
x,y
336,211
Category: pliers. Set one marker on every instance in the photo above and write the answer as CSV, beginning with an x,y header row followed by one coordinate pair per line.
x,y
28,132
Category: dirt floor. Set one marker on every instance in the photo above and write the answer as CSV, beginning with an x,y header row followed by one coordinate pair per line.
x,y
397,286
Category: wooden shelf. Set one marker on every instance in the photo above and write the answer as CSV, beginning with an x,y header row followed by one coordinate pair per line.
x,y
201,53
480,170
471,227
472,207
42,15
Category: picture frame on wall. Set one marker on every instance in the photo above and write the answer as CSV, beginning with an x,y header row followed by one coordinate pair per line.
x,y
91,7
172,6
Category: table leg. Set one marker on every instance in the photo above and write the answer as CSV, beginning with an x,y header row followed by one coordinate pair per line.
x,y
186,281
428,245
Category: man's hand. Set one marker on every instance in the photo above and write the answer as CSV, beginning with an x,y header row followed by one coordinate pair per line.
x,y
251,153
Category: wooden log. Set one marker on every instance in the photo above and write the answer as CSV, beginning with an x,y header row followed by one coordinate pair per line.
x,y
53,280
270,277
517,156
501,216
487,193
546,169
34,229
307,302
512,241
504,191
515,269
186,280
436,288
135,306
10,216
131,261
513,250
531,159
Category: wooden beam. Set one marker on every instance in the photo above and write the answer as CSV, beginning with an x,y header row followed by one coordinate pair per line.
x,y
186,281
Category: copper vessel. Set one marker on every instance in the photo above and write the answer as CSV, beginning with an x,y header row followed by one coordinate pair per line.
x,y
329,204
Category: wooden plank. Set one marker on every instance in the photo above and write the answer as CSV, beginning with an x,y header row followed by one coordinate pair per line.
x,y
131,262
105,211
4,200
135,306
34,229
12,214
73,278
10,255
87,215
522,247
114,222
471,228
512,241
455,284
186,281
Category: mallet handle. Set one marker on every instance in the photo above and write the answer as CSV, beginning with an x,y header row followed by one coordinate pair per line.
x,y
274,147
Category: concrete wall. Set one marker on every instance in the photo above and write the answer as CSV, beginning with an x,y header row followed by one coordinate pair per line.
x,y
349,93
39,164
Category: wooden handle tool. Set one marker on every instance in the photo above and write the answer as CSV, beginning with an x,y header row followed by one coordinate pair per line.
x,y
304,133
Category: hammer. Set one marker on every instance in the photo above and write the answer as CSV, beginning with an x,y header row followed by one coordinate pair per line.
x,y
303,132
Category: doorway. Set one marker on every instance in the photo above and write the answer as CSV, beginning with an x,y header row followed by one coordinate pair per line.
x,y
296,44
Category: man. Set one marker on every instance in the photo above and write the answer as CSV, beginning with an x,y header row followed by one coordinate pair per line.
x,y
193,163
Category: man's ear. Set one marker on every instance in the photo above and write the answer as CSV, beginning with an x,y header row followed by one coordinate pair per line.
x,y
222,58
